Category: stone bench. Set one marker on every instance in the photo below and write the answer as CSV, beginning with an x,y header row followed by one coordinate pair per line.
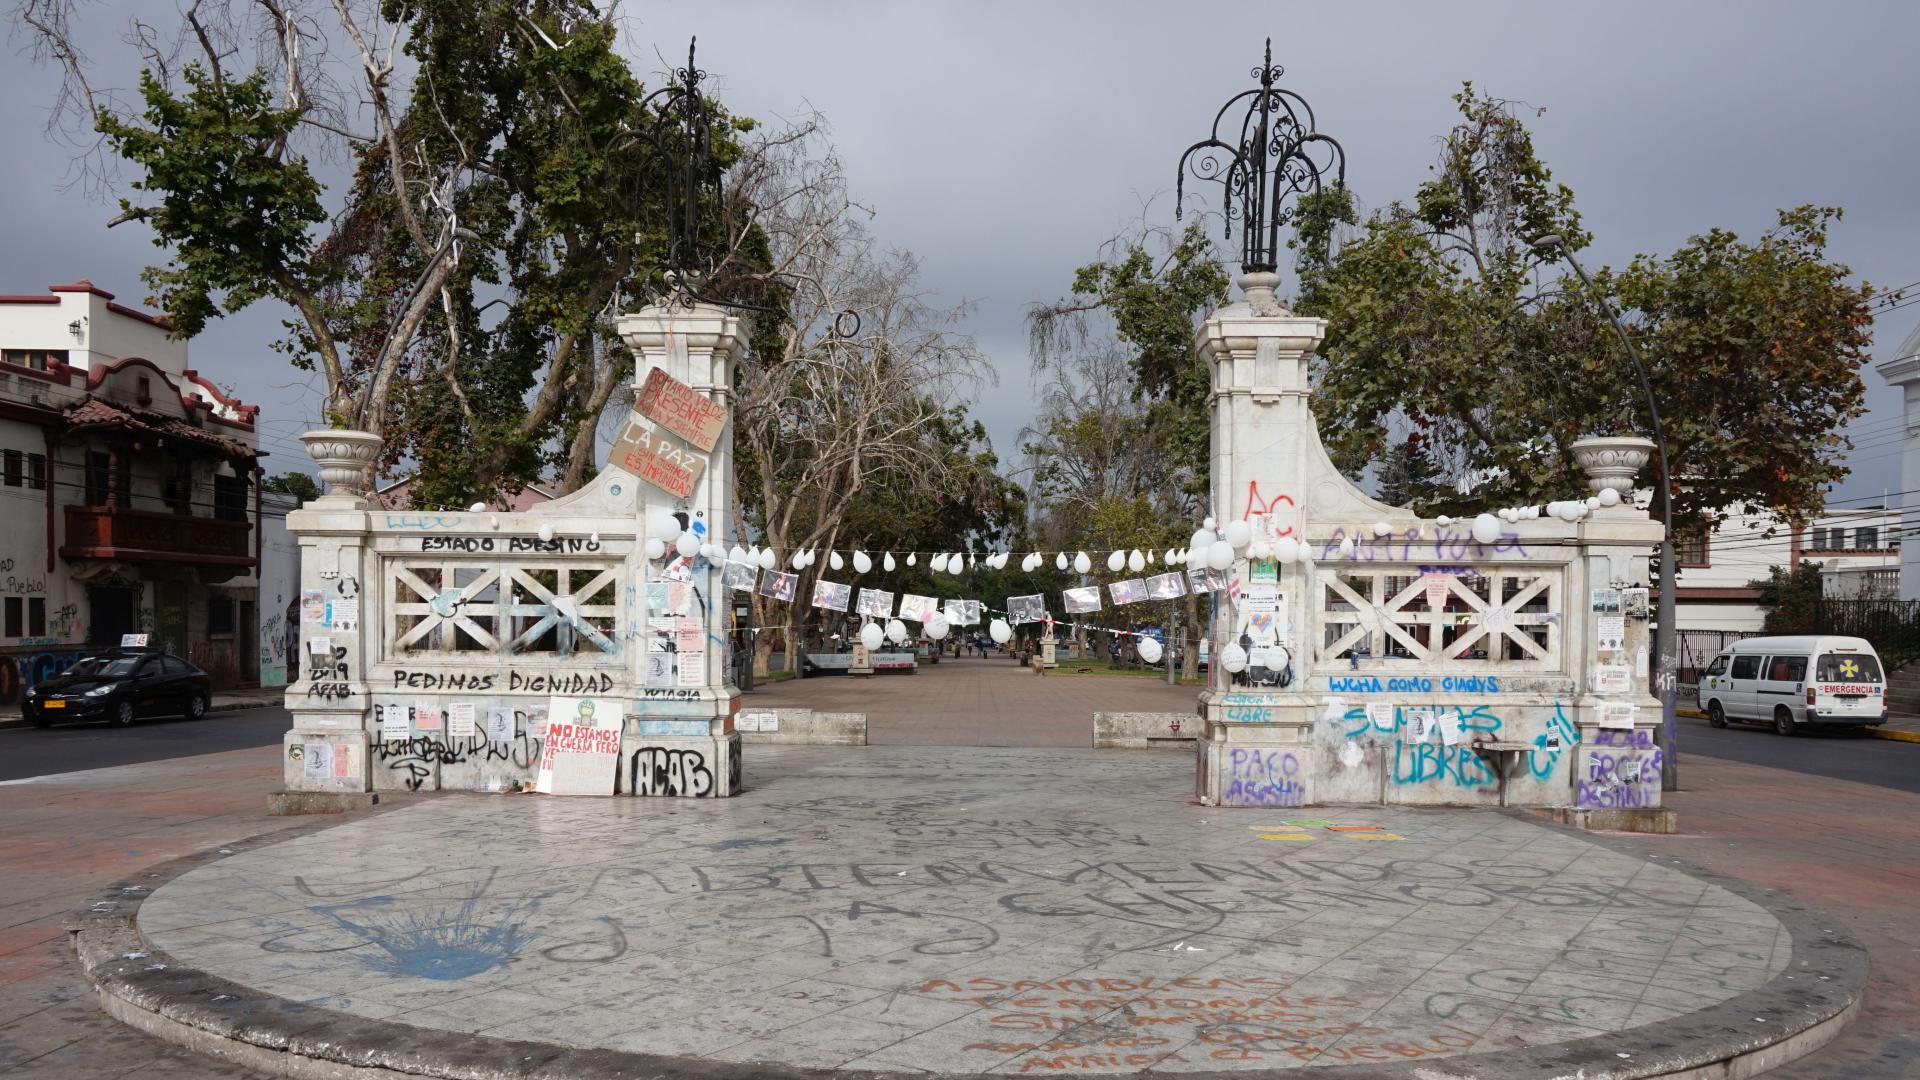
x,y
800,727
1144,730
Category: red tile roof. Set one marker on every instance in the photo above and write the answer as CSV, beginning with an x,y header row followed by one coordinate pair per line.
x,y
93,412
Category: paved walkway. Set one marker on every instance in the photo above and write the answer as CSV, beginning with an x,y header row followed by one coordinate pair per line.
x,y
976,910
978,702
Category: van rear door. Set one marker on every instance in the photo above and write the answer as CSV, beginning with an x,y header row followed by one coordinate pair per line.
x,y
1782,682
1847,685
1743,680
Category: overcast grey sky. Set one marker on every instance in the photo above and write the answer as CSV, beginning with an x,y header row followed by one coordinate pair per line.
x,y
1003,142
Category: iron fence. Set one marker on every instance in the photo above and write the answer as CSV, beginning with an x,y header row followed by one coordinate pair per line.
x,y
1892,626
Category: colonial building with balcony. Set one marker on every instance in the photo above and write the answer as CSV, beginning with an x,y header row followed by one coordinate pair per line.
x,y
130,487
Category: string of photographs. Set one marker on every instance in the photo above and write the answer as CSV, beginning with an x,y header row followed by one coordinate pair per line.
x,y
914,608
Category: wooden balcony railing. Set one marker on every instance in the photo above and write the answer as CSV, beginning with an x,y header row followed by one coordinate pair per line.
x,y
112,532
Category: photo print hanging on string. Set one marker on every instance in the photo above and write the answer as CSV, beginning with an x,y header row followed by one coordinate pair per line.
x,y
832,595
778,586
740,576
875,603
1082,601
1166,587
1026,609
1130,591
963,612
916,608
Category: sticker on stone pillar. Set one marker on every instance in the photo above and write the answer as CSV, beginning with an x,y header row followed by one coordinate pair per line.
x,y
1612,679
427,716
346,612
1633,603
500,725
318,760
1419,725
1610,633
1606,600
1618,715
395,721
1449,725
460,719
313,607
1381,715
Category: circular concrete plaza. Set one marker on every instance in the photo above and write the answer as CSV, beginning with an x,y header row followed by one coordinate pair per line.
x,y
971,910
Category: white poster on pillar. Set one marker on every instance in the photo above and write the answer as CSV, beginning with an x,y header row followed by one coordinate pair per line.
x,y
581,753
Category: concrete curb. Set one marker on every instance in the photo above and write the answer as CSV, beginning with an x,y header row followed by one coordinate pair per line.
x,y
10,720
1878,733
1801,1010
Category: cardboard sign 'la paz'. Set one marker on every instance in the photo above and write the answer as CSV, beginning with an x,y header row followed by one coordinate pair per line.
x,y
657,459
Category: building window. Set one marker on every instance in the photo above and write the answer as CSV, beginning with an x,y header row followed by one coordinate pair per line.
x,y
230,498
36,359
37,471
1867,538
36,616
15,625
14,467
1690,548
99,468
219,614
179,493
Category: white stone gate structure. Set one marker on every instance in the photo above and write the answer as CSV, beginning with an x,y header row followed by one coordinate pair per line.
x,y
1423,666
435,641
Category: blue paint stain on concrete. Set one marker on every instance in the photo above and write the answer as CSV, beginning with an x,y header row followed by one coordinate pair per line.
x,y
432,944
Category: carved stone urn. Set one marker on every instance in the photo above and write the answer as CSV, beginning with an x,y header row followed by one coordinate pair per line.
x,y
345,459
1612,461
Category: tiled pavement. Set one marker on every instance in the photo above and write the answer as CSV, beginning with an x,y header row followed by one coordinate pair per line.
x,y
970,909
979,702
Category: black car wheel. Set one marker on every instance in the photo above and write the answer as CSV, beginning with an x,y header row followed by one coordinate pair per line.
x,y
123,714
1716,715
1783,720
197,707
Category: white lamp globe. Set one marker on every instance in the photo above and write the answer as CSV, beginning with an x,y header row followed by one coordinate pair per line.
x,y
766,559
1149,651
665,526
688,544
1486,528
897,630
1116,560
887,563
871,636
544,532
834,561
1220,555
862,562
1286,549
999,631
1081,563
656,548
937,628
1136,560
1608,497
1238,533
1234,658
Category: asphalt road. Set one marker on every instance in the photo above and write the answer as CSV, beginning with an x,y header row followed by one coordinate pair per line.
x,y
1841,755
27,751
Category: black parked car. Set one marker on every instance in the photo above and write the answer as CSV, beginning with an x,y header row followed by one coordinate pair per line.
x,y
119,685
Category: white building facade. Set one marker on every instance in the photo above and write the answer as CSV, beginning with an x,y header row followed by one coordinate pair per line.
x,y
131,488
1903,371
1858,550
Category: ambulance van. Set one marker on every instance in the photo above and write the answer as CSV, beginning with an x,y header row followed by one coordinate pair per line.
x,y
1789,682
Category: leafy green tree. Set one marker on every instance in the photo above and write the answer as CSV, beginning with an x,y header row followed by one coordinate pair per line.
x,y
297,484
1791,598
1452,335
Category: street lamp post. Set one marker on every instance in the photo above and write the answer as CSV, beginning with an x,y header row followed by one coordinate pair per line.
x,y
1664,632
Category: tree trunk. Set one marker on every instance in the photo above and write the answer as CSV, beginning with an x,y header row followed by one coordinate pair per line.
x,y
1190,625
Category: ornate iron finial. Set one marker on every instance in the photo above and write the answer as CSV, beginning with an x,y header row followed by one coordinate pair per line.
x,y
688,175
1276,158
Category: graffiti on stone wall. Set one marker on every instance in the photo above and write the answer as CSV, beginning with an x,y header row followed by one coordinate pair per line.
x,y
1622,771
21,670
1257,777
657,770
1430,760
1420,544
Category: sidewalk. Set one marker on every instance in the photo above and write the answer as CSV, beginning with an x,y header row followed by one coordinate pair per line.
x,y
251,697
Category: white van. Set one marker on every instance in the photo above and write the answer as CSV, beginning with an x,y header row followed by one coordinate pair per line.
x,y
1789,681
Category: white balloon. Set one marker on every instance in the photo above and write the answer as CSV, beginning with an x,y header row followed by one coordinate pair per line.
x,y
1238,533
1195,558
656,547
1506,514
1608,497
1486,528
1220,555
938,563
1081,563
999,631
1209,524
1306,553
834,561
862,562
1060,561
688,544
1201,540
798,560
913,558
1234,658
1381,528
1593,502
887,563
1260,549
665,526
1286,549
1347,547
897,630
711,552
493,521
1115,560
1136,561
1171,557
871,636
544,532
767,561
937,628
1153,556
1149,651
1443,521
955,565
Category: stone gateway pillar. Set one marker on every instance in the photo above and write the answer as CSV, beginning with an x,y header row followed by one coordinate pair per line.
x,y
1391,659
